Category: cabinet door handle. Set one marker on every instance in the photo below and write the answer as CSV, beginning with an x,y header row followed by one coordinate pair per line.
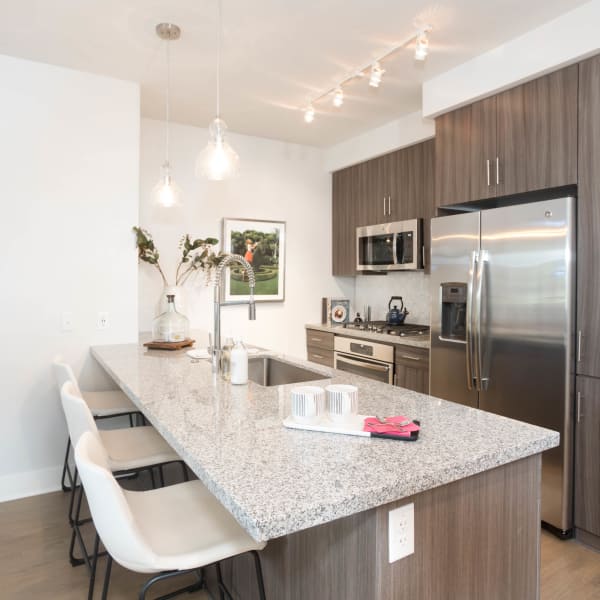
x,y
389,206
487,168
384,206
579,413
497,171
317,355
579,336
409,357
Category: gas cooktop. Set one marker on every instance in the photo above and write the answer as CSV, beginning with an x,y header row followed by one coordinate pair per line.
x,y
382,327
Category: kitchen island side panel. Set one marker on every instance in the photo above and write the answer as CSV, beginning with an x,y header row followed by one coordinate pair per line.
x,y
476,538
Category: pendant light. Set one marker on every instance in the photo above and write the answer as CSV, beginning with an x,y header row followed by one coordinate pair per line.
x,y
166,192
218,161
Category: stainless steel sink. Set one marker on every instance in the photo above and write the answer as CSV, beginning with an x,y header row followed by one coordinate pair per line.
x,y
267,371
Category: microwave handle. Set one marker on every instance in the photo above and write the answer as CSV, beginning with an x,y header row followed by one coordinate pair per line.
x,y
397,259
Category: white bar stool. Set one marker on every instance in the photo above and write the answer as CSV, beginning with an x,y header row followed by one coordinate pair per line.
x,y
103,405
128,450
178,529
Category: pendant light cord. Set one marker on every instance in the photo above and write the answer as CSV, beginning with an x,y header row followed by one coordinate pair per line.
x,y
167,96
218,57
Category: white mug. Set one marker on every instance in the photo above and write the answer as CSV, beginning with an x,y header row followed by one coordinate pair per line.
x,y
307,403
342,402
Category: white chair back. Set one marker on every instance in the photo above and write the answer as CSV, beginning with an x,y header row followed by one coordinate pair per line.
x,y
77,413
110,511
64,373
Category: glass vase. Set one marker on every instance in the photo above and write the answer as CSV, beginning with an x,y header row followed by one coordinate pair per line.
x,y
170,326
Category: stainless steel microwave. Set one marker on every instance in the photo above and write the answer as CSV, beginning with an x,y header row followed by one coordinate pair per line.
x,y
390,247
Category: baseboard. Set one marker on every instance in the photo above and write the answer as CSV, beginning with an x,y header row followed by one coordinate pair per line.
x,y
30,483
587,538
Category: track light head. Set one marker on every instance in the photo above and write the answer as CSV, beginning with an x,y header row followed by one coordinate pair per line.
x,y
309,114
422,46
338,97
376,75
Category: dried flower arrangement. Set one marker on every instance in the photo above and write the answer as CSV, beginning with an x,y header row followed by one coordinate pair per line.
x,y
196,256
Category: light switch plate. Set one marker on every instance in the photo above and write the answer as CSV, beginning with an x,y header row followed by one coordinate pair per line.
x,y
401,532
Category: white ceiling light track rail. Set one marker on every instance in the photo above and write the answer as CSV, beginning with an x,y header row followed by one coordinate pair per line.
x,y
373,69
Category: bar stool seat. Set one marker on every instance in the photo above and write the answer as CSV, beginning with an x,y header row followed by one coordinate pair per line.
x,y
136,448
185,526
109,403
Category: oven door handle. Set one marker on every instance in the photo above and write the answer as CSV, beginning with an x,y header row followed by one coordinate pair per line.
x,y
363,363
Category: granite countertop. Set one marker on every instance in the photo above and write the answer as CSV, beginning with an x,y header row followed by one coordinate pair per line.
x,y
418,341
276,481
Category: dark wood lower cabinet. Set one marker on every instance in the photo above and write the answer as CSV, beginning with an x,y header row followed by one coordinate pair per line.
x,y
475,539
412,368
319,347
587,455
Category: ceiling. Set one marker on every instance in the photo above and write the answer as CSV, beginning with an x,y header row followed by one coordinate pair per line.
x,y
277,55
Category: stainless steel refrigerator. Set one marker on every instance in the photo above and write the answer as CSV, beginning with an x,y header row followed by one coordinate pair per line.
x,y
502,323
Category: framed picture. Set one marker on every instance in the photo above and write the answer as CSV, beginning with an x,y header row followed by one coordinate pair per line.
x,y
339,311
262,244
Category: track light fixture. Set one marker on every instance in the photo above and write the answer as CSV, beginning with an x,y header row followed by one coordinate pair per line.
x,y
338,97
309,114
373,69
422,46
376,75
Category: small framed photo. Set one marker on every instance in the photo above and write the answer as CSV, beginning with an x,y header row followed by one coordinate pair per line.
x,y
339,311
262,244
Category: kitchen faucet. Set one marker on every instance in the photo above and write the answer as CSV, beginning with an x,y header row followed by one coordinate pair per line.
x,y
215,350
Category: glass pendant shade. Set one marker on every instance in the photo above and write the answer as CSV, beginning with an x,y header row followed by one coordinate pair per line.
x,y
166,192
218,161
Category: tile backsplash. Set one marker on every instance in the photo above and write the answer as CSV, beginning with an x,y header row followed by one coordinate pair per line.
x,y
376,290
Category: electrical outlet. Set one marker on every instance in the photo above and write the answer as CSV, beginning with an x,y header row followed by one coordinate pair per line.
x,y
102,320
66,321
401,532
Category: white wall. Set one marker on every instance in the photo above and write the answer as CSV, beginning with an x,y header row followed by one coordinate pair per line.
x,y
278,181
562,41
69,155
405,131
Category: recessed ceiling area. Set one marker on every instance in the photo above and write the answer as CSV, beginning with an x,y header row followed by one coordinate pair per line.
x,y
276,55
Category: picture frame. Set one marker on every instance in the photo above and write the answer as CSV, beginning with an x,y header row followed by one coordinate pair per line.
x,y
262,244
339,311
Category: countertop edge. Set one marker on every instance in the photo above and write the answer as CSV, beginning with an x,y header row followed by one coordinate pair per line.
x,y
414,341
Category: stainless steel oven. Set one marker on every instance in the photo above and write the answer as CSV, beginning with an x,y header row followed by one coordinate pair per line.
x,y
361,357
390,247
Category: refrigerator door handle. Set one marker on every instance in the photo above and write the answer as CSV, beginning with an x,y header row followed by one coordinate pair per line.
x,y
469,348
482,381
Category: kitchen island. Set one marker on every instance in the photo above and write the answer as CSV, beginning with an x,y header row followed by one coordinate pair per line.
x,y
322,500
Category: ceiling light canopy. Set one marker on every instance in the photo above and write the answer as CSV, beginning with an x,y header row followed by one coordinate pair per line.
x,y
373,69
218,161
166,193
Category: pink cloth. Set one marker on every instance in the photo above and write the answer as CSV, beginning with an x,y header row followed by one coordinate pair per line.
x,y
374,426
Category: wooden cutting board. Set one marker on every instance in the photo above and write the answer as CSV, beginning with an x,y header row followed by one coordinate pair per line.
x,y
169,345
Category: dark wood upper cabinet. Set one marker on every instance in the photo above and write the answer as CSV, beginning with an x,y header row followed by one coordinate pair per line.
x,y
518,141
452,157
587,451
392,187
588,219
345,209
482,150
537,133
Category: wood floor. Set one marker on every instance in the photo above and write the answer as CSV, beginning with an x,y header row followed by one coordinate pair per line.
x,y
34,544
